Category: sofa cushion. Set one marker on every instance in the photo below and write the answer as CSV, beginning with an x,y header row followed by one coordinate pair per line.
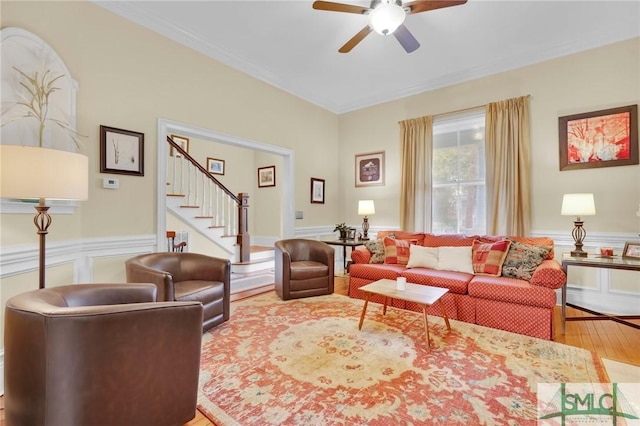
x,y
487,258
416,238
523,259
449,240
396,251
455,259
456,282
422,257
511,290
375,271
376,248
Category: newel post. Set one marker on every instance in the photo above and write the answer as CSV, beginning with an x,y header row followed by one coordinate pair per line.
x,y
243,238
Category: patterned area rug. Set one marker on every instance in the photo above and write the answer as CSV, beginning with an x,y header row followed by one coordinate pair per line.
x,y
304,362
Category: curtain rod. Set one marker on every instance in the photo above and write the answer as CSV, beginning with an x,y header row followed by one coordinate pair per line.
x,y
444,114
475,107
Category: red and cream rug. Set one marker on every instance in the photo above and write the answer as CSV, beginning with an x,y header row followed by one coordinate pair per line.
x,y
304,362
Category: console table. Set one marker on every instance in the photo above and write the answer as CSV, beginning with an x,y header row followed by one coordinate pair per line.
x,y
615,262
345,244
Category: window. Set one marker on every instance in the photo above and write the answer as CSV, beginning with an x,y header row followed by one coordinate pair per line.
x,y
458,199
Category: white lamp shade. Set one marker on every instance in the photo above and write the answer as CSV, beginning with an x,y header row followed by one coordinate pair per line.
x,y
33,172
578,205
366,207
386,18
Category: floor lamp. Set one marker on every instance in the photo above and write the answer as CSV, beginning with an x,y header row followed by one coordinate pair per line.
x,y
40,173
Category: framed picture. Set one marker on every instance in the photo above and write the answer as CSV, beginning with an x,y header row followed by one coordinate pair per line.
x,y
317,191
215,166
631,250
182,141
599,139
266,176
370,169
121,151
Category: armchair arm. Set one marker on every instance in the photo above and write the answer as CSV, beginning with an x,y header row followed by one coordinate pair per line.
x,y
139,273
361,255
549,274
194,266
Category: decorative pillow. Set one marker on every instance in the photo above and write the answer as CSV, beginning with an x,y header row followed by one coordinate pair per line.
x,y
396,251
455,259
487,258
424,257
376,247
523,259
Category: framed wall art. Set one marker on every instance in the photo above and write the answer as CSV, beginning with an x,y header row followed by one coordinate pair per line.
x,y
599,139
215,166
182,141
631,250
317,191
121,151
266,176
370,169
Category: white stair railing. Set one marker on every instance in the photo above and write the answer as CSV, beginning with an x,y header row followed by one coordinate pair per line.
x,y
200,189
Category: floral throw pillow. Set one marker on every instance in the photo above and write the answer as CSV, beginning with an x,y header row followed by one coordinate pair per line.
x,y
376,247
523,259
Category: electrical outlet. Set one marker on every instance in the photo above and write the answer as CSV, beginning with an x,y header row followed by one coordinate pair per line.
x,y
299,214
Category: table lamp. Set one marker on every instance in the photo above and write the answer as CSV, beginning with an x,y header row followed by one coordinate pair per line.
x,y
578,205
30,172
366,207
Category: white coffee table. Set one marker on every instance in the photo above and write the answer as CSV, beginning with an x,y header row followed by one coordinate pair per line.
x,y
421,294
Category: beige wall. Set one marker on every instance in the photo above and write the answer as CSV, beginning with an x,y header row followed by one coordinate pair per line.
x,y
129,77
589,81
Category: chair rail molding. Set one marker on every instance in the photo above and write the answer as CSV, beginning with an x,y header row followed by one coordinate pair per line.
x,y
22,259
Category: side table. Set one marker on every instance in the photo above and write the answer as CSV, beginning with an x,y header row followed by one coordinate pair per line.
x,y
615,262
345,244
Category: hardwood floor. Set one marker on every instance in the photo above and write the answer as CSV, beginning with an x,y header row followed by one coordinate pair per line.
x,y
606,338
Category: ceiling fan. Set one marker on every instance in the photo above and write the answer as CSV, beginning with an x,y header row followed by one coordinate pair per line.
x,y
386,17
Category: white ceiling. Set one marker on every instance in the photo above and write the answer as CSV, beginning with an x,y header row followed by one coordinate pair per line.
x,y
294,47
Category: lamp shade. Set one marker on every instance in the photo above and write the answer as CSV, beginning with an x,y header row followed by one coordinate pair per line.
x,y
33,172
366,207
578,205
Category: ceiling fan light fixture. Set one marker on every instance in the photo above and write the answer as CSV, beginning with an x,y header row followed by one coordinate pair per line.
x,y
386,17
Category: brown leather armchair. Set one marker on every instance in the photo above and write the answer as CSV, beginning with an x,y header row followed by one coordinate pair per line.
x,y
303,268
100,354
187,277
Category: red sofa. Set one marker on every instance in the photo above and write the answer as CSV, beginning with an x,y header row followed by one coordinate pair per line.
x,y
512,304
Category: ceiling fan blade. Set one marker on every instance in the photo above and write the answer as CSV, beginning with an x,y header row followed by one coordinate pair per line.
x,y
426,5
406,39
339,7
355,40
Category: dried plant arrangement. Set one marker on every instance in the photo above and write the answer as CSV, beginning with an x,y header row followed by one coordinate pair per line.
x,y
35,102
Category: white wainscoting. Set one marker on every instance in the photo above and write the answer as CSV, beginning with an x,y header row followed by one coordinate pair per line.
x,y
18,260
82,253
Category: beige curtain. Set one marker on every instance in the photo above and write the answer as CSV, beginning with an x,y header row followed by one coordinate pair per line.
x,y
508,167
416,146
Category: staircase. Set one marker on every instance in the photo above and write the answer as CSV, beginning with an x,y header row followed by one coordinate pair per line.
x,y
205,206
